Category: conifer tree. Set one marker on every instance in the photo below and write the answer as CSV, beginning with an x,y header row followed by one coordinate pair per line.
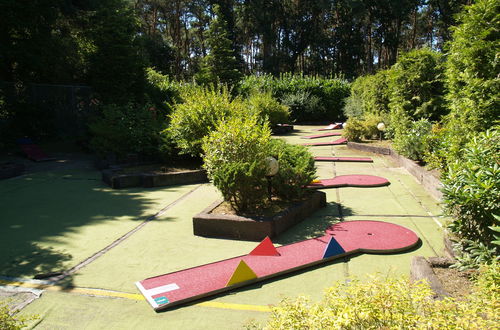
x,y
221,65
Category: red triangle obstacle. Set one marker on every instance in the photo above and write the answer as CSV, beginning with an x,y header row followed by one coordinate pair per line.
x,y
265,248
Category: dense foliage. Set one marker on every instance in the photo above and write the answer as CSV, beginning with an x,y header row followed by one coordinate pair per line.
x,y
221,65
198,114
309,98
358,128
411,138
471,195
472,75
369,95
268,108
235,160
416,85
235,156
125,129
392,304
296,169
437,109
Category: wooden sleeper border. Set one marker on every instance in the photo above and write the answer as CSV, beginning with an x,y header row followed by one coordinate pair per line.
x,y
227,226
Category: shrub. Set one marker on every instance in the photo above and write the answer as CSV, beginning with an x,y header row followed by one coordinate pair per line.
x,y
9,321
389,304
472,72
471,191
416,85
370,122
437,147
268,108
124,129
411,140
302,105
369,95
354,129
234,156
364,127
198,115
309,98
161,91
296,169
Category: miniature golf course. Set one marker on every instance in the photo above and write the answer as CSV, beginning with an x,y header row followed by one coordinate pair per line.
x,y
266,261
56,220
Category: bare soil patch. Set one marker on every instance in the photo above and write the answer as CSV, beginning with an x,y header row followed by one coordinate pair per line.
x,y
456,283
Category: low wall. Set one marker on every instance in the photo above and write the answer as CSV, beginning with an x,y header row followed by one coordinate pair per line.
x,y
117,180
428,179
208,224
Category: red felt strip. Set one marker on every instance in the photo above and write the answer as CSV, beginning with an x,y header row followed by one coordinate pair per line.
x,y
357,180
317,136
330,127
344,159
331,143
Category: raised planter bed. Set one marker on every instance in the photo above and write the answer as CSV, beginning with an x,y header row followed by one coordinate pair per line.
x,y
116,179
210,224
428,179
281,129
9,170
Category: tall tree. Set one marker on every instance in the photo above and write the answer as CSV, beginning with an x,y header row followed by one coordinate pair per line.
x,y
221,64
116,69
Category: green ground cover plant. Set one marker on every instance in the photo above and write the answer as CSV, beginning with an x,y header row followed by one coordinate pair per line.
x,y
391,303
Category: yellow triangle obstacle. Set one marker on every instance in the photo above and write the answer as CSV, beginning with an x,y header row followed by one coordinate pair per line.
x,y
242,273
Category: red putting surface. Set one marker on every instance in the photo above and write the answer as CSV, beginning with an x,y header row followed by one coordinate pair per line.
x,y
331,126
34,152
344,159
168,290
317,136
357,180
330,143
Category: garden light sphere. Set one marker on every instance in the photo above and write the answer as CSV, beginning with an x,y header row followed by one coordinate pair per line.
x,y
272,166
381,127
344,125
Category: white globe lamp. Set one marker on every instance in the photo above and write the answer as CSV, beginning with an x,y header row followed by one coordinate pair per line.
x,y
381,129
273,167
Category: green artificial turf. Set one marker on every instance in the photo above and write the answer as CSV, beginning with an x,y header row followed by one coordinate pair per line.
x,y
83,217
52,221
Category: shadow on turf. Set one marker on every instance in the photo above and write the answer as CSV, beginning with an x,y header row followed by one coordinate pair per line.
x,y
35,259
314,225
43,208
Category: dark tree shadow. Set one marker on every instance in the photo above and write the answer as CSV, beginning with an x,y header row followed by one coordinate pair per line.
x,y
44,207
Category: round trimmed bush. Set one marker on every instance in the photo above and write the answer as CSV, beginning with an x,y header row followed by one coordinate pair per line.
x,y
235,159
